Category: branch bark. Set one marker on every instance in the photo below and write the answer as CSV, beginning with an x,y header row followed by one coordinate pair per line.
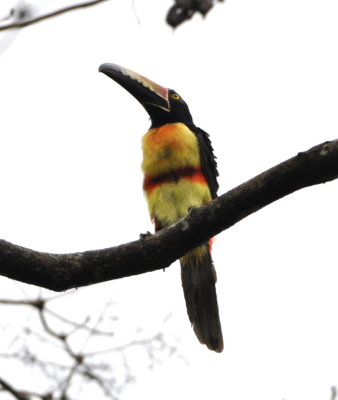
x,y
64,271
22,24
9,388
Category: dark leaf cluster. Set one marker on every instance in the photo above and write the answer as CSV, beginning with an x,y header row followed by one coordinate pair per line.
x,y
183,10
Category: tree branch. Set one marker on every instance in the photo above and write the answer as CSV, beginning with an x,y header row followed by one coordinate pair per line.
x,y
64,271
78,367
21,24
9,388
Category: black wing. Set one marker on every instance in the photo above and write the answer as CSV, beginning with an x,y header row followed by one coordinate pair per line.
x,y
208,159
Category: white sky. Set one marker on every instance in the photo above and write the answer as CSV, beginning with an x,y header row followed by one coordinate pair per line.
x,y
259,76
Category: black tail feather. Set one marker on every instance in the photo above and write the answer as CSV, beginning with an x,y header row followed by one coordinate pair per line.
x,y
198,281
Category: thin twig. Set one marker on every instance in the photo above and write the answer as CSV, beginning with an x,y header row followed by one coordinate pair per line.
x,y
67,382
77,325
135,12
99,320
157,338
64,377
59,336
17,302
52,14
36,303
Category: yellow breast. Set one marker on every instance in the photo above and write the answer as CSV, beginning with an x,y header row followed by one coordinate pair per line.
x,y
169,147
171,201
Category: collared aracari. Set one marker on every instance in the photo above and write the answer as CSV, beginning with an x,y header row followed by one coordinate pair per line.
x,y
180,172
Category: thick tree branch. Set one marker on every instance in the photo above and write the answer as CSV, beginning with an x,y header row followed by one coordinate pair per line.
x,y
31,21
64,271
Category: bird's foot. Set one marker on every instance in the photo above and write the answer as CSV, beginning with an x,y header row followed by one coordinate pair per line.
x,y
192,210
144,236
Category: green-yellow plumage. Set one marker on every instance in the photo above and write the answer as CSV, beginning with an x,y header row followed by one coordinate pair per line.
x,y
170,148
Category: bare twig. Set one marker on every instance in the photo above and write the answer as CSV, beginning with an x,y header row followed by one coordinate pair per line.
x,y
76,325
8,16
22,302
36,303
22,24
67,382
78,365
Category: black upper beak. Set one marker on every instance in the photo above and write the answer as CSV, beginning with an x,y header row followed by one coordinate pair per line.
x,y
147,92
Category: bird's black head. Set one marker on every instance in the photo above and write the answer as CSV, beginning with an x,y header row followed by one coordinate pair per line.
x,y
163,105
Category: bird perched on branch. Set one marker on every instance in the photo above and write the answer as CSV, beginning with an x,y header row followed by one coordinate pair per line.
x,y
180,172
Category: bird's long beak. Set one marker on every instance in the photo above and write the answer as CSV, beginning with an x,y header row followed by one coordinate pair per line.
x,y
143,89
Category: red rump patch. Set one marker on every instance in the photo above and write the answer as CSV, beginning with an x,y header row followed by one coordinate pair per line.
x,y
211,242
189,173
158,224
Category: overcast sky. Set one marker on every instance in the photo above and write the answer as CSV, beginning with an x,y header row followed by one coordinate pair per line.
x,y
260,77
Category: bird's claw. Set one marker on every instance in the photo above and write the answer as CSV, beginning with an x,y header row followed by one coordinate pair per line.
x,y
192,210
144,236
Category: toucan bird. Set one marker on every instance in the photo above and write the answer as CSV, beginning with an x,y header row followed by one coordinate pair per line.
x,y
180,172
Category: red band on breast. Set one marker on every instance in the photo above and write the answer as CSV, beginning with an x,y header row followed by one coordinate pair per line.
x,y
189,173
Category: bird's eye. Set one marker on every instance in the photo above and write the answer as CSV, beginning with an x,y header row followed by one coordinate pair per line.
x,y
175,96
